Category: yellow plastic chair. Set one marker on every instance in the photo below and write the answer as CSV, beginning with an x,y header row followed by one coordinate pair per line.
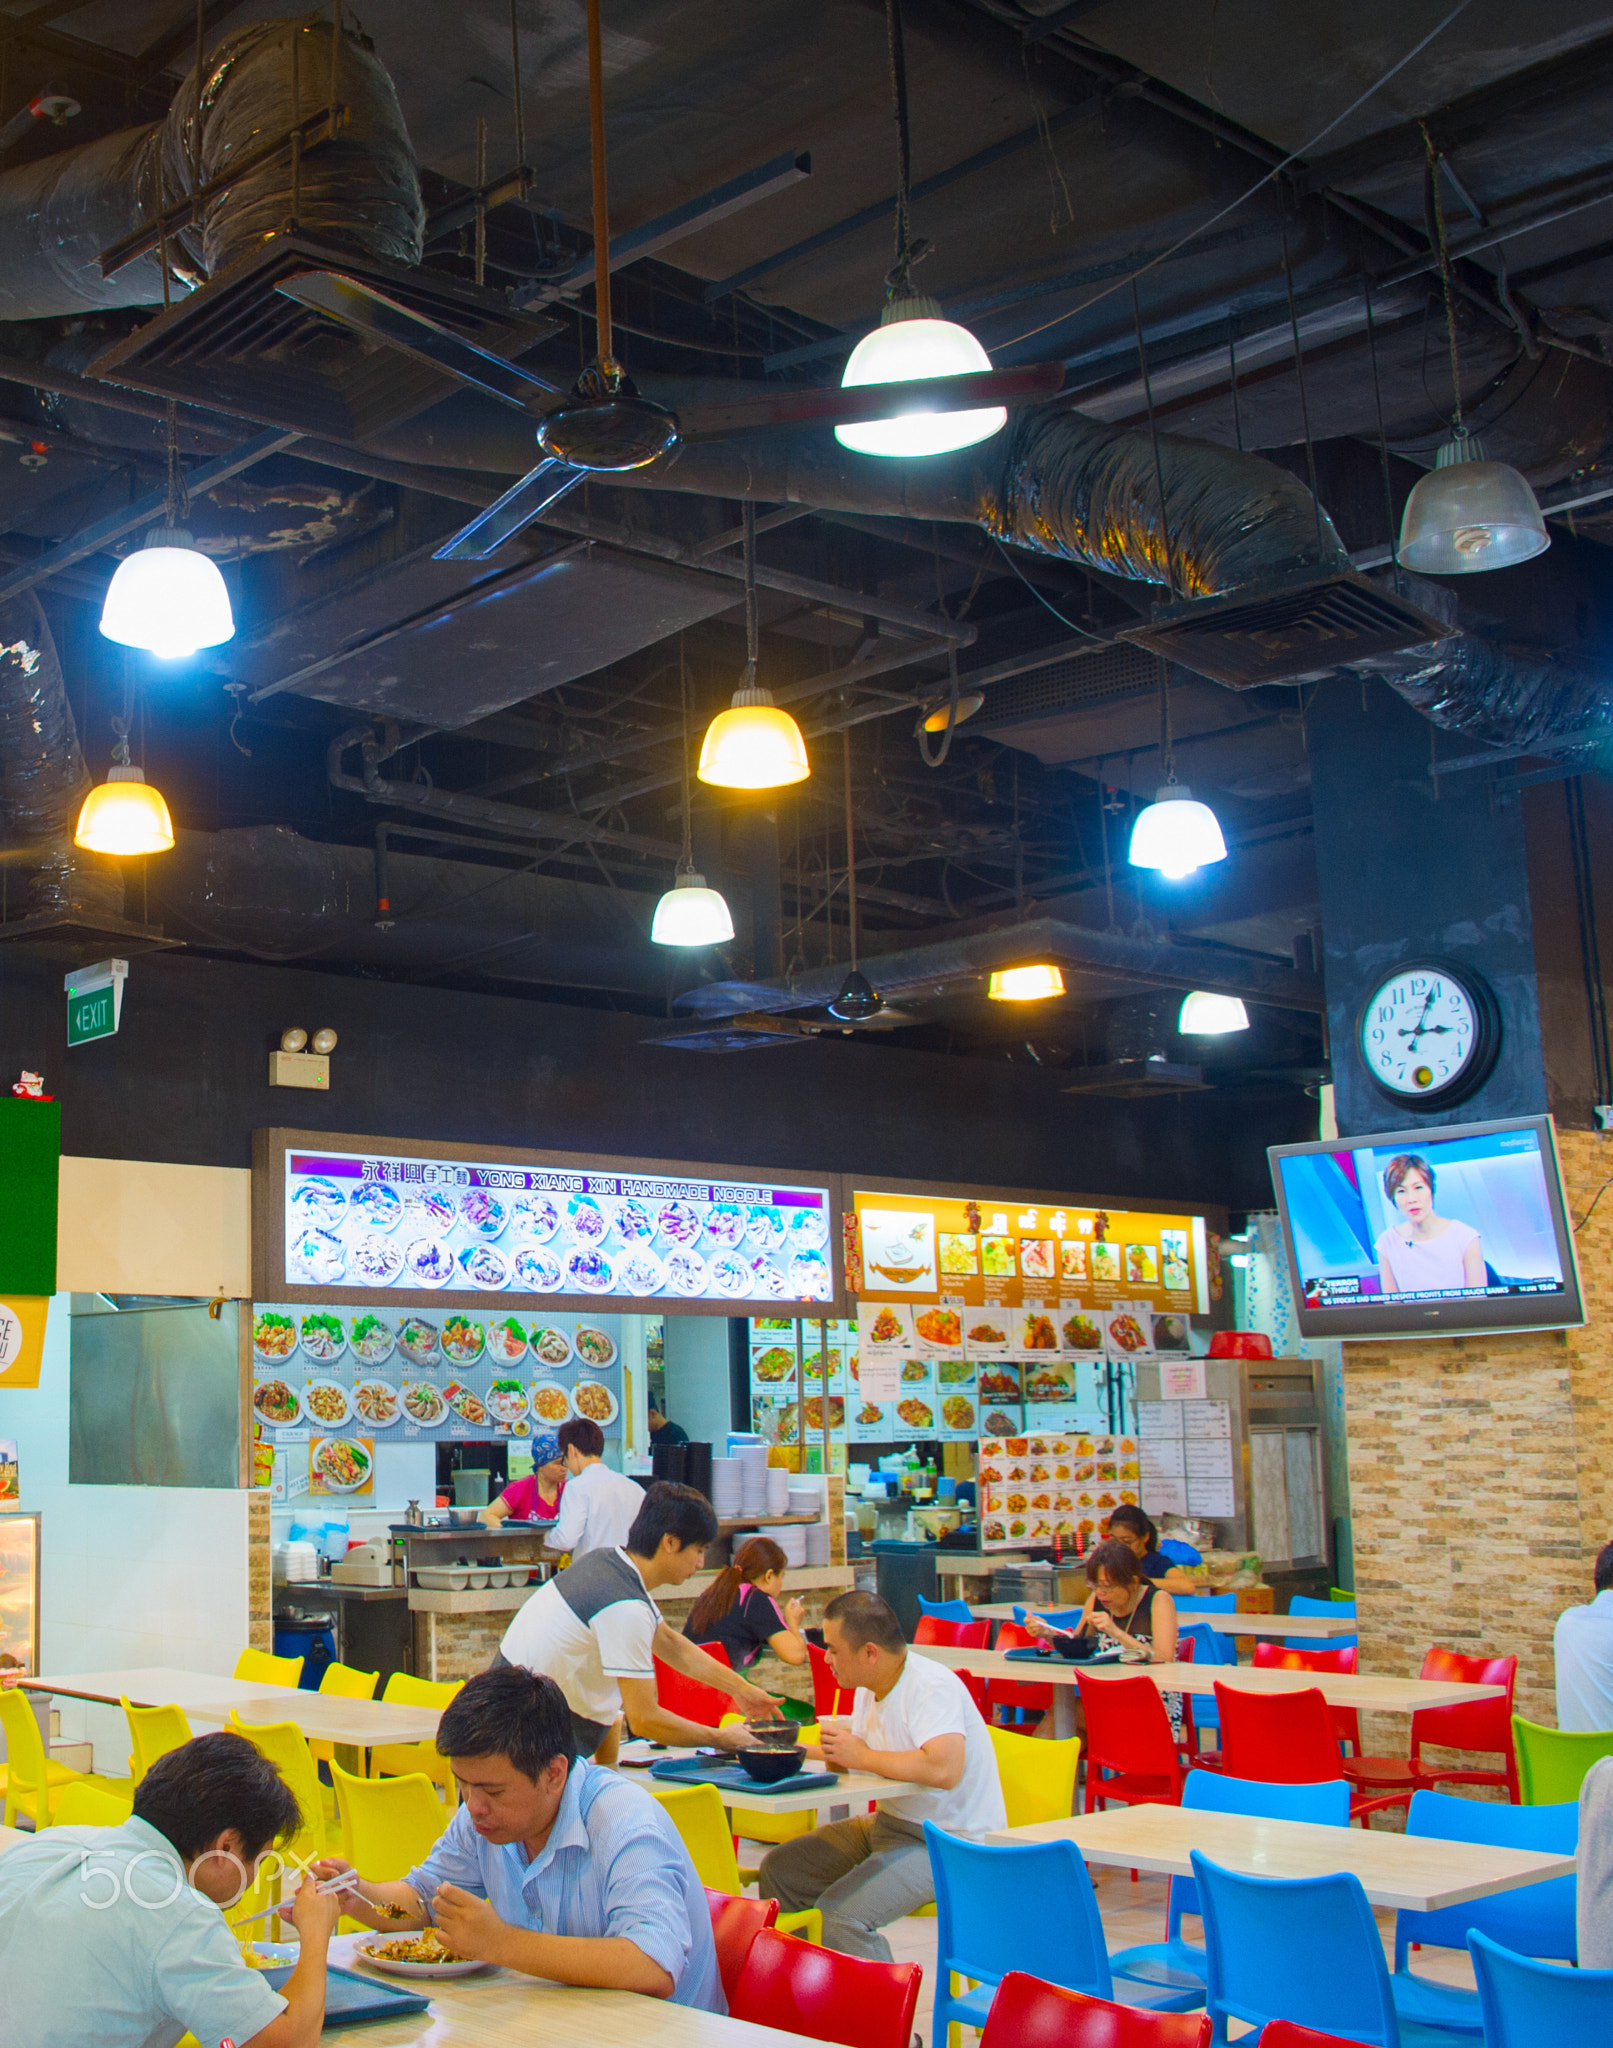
x,y
343,1682
756,1823
153,1732
33,1783
286,1747
406,1759
390,1824
257,1667
1038,1778
696,1811
89,1806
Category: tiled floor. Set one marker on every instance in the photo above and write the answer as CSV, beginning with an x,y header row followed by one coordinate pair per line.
x,y
1136,1913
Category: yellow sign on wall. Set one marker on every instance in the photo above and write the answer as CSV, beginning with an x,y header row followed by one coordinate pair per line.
x,y
22,1338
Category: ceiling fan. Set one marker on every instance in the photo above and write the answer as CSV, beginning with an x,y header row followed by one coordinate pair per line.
x,y
603,424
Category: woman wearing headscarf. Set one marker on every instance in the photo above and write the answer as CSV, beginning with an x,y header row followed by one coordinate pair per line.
x,y
536,1498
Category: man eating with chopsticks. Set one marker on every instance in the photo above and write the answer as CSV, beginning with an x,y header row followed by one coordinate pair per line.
x,y
115,1935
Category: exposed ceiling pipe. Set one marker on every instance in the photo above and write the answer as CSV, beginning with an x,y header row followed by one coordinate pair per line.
x,y
360,191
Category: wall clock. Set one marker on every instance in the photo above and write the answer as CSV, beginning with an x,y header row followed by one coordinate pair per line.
x,y
1429,1033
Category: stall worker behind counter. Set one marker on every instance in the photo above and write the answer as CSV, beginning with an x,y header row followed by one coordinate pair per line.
x,y
552,1865
1129,1525
913,1720
535,1498
740,1609
596,1630
114,1936
661,1430
598,1505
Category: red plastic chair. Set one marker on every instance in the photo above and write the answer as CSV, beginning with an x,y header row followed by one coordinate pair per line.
x,y
735,1924
1026,2013
1482,1725
690,1697
1009,1692
1275,1657
803,1989
1286,1738
828,1697
954,1635
1129,1736
1284,2034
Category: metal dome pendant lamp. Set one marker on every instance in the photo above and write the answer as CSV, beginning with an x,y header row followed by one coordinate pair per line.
x,y
1467,515
753,744
1176,833
912,339
168,598
124,816
857,1001
690,914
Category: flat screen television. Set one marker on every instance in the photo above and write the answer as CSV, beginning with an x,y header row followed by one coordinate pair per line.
x,y
1430,1233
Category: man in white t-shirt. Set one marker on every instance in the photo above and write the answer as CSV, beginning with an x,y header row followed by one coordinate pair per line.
x,y
913,1720
596,1631
597,1506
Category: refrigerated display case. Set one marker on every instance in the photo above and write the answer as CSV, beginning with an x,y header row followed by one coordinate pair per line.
x,y
19,1595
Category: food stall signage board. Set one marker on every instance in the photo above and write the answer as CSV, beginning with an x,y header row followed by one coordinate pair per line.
x,y
373,1220
95,1000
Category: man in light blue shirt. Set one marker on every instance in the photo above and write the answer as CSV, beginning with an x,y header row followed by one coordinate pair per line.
x,y
1583,1645
114,1935
552,1865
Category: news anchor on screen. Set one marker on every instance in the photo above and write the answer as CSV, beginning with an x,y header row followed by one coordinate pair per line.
x,y
1424,1253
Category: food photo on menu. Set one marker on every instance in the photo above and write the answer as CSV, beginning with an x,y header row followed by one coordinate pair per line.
x,y
397,1223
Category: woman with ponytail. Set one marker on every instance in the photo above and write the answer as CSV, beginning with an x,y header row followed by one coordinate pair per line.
x,y
740,1609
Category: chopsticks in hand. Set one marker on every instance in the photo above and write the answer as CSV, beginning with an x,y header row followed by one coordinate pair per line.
x,y
347,1882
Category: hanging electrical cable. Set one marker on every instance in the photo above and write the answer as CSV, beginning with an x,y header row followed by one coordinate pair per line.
x,y
856,1002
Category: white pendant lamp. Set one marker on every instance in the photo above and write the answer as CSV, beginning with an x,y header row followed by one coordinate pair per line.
x,y
1468,515
690,914
1176,834
168,598
912,341
753,744
1208,1016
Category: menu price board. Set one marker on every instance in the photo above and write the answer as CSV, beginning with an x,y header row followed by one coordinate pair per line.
x,y
1187,1458
367,1376
1053,1487
345,1220
980,1252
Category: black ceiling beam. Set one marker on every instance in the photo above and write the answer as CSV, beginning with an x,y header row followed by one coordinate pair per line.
x,y
180,41
1470,118
73,50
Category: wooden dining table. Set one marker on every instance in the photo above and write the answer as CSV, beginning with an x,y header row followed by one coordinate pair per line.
x,y
1411,1873
827,1789
1364,1691
204,1696
1270,1626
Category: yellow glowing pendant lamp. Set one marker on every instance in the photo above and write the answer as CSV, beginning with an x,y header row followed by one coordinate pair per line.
x,y
124,815
1032,984
753,744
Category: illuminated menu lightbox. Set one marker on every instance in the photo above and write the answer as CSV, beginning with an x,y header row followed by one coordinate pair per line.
x,y
353,1223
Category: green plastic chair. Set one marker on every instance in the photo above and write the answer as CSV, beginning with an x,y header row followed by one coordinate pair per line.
x,y
1552,1763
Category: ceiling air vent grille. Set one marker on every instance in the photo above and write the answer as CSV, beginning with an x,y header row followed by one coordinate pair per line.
x,y
1101,677
1292,628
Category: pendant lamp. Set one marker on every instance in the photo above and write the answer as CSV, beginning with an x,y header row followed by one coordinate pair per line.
x,y
1468,514
168,598
124,816
753,745
1176,833
1025,984
857,1000
690,914
1204,1015
912,340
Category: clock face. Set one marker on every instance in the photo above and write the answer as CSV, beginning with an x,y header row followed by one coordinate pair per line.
x,y
1426,1034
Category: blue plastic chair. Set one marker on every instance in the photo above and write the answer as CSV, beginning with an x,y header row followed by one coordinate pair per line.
x,y
987,1925
1210,1647
1301,1949
1177,1965
1060,1617
1532,1920
1300,1604
946,1610
1525,2003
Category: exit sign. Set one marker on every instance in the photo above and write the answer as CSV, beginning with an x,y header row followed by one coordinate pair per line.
x,y
95,1000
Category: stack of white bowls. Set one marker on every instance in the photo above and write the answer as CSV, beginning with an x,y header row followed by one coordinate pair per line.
x,y
299,1563
793,1542
817,1543
752,1478
778,1490
727,1490
805,1494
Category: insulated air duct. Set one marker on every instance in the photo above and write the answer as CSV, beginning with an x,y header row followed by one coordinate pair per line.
x,y
360,192
43,780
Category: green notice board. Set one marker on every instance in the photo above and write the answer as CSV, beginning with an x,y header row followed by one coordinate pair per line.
x,y
30,1160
